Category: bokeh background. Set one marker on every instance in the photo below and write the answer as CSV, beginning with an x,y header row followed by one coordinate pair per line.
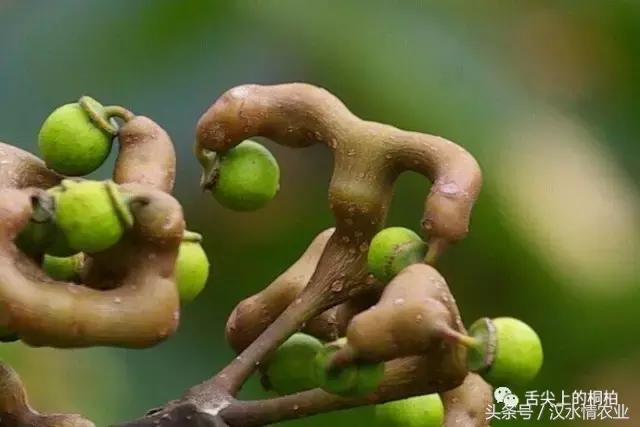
x,y
546,94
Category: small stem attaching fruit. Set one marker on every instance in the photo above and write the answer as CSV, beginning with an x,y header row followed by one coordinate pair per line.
x,y
119,112
98,115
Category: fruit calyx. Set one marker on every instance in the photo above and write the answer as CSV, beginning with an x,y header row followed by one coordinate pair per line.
x,y
482,351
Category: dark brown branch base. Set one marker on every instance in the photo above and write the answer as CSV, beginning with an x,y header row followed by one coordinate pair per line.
x,y
182,414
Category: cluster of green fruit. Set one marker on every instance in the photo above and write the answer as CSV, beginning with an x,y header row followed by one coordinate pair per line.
x,y
88,217
82,217
92,216
505,351
76,139
301,363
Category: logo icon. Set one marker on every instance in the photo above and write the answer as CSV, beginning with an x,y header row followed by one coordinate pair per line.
x,y
506,397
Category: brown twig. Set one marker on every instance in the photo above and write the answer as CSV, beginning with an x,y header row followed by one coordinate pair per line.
x,y
146,155
368,157
15,410
139,313
140,306
142,311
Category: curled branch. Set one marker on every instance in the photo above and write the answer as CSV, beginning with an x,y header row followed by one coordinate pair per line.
x,y
146,155
367,160
20,169
323,290
416,312
368,156
254,314
142,311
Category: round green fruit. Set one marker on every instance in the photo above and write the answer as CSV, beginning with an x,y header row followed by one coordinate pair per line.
x,y
59,245
63,268
354,380
192,270
247,177
35,237
91,214
393,249
419,411
41,233
71,143
508,351
291,368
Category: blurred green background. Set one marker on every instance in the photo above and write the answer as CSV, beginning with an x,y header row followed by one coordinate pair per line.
x,y
546,94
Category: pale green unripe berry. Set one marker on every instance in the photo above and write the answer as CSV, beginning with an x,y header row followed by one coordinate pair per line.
x,y
508,353
58,245
91,214
35,237
393,249
353,380
71,144
247,177
63,268
419,411
39,237
192,270
291,368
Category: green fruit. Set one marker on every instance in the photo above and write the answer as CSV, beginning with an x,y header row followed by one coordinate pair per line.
x,y
63,268
247,177
419,411
91,215
59,245
393,249
41,233
291,368
508,351
35,237
71,143
355,380
192,270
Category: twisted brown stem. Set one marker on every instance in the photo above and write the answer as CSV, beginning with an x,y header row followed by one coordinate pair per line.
x,y
143,309
368,157
139,313
20,169
15,410
323,290
146,155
